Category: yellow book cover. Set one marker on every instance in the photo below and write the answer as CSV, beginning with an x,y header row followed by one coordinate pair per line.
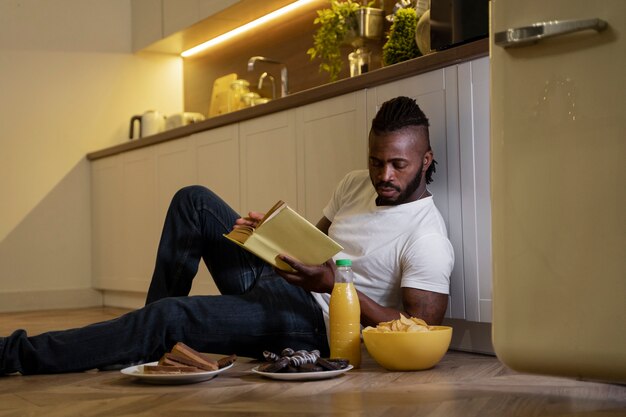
x,y
284,231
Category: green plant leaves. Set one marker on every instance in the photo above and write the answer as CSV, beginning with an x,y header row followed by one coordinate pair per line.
x,y
401,45
335,23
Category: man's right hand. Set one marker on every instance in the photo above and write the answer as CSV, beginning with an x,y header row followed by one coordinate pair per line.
x,y
253,220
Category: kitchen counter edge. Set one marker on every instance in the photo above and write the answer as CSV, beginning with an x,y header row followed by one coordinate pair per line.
x,y
374,78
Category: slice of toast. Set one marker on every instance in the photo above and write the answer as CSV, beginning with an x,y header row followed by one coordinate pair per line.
x,y
188,356
168,369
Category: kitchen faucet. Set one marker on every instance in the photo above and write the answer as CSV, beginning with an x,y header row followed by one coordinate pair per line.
x,y
284,90
262,78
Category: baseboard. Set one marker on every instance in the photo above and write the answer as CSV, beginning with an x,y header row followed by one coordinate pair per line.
x,y
14,301
124,299
469,336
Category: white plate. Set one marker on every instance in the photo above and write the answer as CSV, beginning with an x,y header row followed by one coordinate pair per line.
x,y
183,378
302,376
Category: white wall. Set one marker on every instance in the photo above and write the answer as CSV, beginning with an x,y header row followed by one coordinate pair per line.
x,y
68,85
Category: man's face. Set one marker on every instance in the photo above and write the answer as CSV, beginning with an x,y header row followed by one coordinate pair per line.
x,y
397,164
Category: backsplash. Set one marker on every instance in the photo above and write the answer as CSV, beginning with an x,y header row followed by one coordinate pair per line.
x,y
286,42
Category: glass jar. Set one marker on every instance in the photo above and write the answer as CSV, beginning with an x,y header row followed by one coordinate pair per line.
x,y
359,61
238,89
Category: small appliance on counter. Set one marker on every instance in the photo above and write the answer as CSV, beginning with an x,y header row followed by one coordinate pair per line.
x,y
150,123
182,119
219,95
455,22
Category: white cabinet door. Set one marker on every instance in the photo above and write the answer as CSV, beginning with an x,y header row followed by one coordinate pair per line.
x,y
106,214
181,14
140,230
268,161
125,225
178,15
456,102
146,23
436,94
175,169
216,154
217,162
153,20
332,141
473,90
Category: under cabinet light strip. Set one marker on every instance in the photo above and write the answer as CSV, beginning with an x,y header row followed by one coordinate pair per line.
x,y
241,29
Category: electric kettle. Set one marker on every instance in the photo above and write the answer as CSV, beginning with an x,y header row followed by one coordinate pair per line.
x,y
150,123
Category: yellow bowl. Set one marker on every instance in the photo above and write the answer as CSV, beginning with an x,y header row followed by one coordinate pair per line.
x,y
408,351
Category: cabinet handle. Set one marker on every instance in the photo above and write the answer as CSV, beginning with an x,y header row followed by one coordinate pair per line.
x,y
527,35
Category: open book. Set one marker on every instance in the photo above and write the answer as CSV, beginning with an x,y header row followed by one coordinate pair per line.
x,y
283,231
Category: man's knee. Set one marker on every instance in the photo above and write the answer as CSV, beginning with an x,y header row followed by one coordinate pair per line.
x,y
189,194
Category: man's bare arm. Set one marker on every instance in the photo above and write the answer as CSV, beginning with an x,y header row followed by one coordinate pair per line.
x,y
324,224
426,305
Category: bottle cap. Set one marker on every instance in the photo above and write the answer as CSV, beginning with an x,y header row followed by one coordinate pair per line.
x,y
343,262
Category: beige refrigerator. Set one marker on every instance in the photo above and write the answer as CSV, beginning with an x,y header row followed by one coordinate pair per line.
x,y
558,172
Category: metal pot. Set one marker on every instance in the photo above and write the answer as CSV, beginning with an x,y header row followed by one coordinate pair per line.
x,y
369,23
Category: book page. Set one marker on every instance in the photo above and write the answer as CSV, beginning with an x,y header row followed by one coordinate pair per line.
x,y
241,233
291,234
284,231
273,211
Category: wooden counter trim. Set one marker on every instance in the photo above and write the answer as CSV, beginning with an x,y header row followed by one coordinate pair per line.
x,y
374,78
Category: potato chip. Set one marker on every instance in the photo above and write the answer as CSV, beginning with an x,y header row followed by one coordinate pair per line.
x,y
403,324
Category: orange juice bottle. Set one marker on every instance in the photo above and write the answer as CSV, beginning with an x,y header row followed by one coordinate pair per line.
x,y
345,316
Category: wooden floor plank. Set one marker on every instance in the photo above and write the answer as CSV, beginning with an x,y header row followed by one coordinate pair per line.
x,y
461,384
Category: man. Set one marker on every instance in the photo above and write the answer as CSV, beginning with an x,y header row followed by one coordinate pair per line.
x,y
384,218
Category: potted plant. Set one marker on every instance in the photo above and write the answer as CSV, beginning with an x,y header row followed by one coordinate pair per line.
x,y
401,45
345,22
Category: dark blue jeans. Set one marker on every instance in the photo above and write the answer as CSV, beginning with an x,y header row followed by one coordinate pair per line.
x,y
256,311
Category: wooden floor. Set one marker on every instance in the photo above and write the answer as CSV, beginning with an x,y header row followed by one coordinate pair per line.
x,y
460,385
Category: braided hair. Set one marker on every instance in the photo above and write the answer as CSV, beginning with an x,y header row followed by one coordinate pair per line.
x,y
398,113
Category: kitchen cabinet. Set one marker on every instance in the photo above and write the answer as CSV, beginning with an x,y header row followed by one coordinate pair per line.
x,y
331,141
130,196
436,94
181,14
217,160
474,145
123,220
153,20
146,23
268,161
456,101
214,156
106,210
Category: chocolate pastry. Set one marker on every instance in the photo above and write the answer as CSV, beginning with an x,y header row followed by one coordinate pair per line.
x,y
291,370
343,363
310,367
270,356
287,352
328,365
302,356
274,366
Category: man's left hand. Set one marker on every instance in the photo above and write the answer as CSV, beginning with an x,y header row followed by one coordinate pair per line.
x,y
314,278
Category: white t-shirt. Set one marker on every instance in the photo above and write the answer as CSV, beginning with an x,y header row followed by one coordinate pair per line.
x,y
390,246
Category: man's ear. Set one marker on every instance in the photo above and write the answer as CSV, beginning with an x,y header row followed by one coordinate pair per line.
x,y
427,160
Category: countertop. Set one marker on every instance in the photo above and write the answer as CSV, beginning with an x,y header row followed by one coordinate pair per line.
x,y
376,77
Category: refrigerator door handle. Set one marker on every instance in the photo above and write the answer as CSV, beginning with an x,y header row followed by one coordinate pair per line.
x,y
528,35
